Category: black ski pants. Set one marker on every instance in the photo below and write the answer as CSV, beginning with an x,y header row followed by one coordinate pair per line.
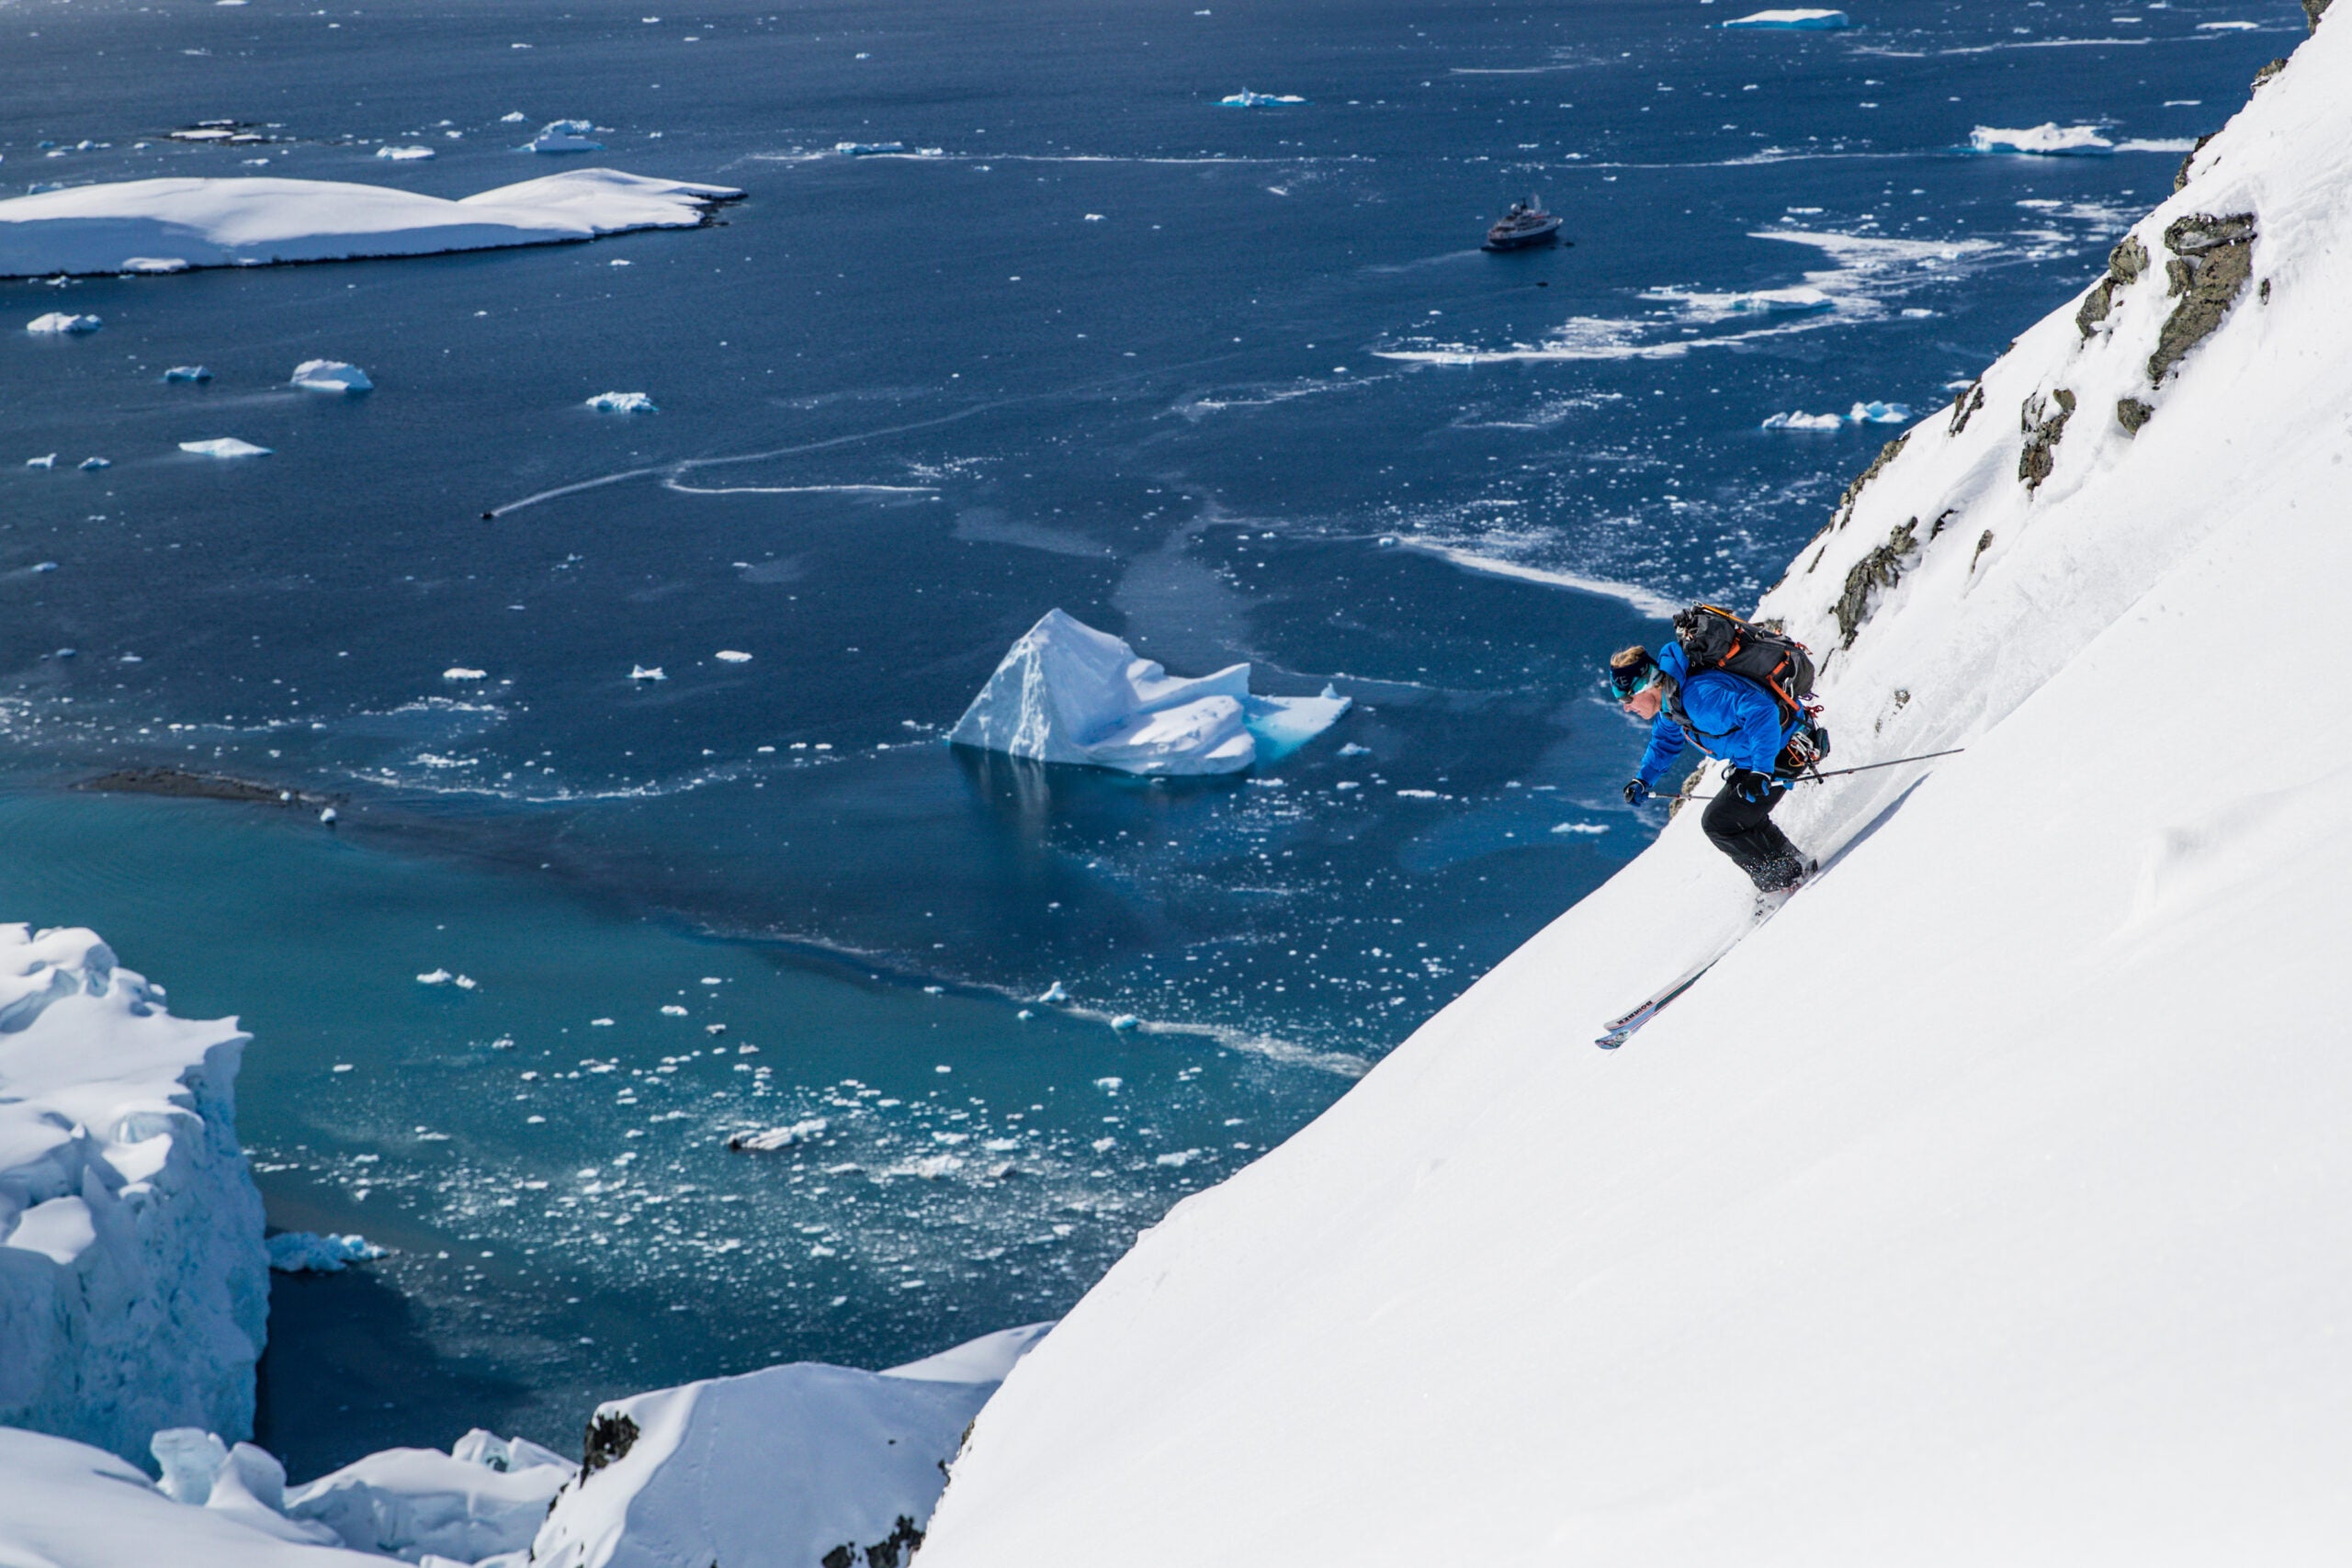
x,y
1743,830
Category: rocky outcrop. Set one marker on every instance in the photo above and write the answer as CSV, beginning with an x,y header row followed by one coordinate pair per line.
x,y
2043,419
2313,11
2213,258
2124,266
1853,491
2262,77
894,1549
1967,401
611,1435
1872,576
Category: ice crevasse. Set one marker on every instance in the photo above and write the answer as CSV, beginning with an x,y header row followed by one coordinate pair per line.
x,y
1066,692
133,1283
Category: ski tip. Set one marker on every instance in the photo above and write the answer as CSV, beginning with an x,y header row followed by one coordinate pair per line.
x,y
1609,1041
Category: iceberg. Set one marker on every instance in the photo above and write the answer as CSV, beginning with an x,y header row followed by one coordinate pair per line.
x,y
805,1464
59,323
302,1252
1066,692
134,1284
45,460
331,376
2048,140
1797,20
225,446
1879,413
1860,413
1245,99
487,1495
92,464
623,402
404,154
867,149
187,372
564,136
776,1138
257,221
1804,421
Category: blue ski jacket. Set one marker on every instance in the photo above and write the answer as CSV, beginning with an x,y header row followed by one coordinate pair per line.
x,y
1734,718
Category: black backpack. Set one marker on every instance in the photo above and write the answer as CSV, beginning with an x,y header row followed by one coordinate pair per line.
x,y
1714,638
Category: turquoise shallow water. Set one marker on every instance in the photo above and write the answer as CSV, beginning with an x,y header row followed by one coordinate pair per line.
x,y
568,1223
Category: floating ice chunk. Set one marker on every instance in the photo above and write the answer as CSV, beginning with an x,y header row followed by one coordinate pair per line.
x,y
639,672
302,1252
1798,20
459,672
2228,27
225,446
1066,692
1125,1022
45,460
1094,218
1579,828
58,322
91,464
513,117
1778,299
154,266
1879,413
1804,421
671,1010
434,977
564,136
2047,140
776,1138
1245,99
1178,1158
731,656
187,372
331,376
867,149
1056,992
623,402
404,154
465,983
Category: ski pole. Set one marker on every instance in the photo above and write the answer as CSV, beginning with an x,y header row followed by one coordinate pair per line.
x,y
1864,768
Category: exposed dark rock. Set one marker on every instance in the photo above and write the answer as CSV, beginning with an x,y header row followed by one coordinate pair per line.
x,y
841,1556
2267,72
2313,11
199,786
2124,265
2043,419
2213,258
1943,519
890,1552
2263,293
1853,491
2180,180
1984,542
2131,414
609,1439
1965,402
1872,576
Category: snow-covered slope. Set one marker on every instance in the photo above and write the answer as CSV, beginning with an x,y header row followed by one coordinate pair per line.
x,y
169,225
801,1466
1992,1203
134,1284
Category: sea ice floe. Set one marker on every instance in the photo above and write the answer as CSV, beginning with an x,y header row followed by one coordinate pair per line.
x,y
459,672
564,136
1125,1022
434,977
731,656
1801,20
225,446
1579,828
1066,692
623,402
331,376
302,1252
1056,992
45,460
776,1138
91,464
1245,99
2047,140
513,117
641,673
1879,413
404,154
187,372
60,322
1860,413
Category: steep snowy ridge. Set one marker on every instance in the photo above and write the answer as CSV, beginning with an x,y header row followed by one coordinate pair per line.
x,y
1991,1205
134,1285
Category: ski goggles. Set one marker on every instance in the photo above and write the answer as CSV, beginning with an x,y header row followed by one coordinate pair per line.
x,y
1629,683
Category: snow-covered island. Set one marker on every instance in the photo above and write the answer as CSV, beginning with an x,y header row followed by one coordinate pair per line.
x,y
134,1285
171,225
1066,692
1993,1203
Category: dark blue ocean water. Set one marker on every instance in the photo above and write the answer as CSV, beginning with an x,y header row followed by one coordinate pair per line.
x,y
1233,383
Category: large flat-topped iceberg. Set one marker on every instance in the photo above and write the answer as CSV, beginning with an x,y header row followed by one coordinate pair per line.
x,y
253,222
133,1286
1803,21
2049,139
1066,692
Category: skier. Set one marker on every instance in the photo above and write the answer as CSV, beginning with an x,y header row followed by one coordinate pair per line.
x,y
1733,718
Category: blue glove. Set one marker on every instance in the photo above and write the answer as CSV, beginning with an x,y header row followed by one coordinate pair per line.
x,y
1637,792
1753,787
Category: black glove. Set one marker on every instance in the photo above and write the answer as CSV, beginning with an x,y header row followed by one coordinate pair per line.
x,y
1637,792
1753,787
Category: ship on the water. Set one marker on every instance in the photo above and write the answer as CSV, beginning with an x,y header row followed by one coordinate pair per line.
x,y
1525,224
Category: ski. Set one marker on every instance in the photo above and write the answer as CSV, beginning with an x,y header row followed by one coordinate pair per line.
x,y
1617,1030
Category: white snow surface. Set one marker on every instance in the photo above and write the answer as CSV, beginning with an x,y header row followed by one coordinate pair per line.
x,y
66,1505
254,221
2048,139
488,1494
780,1465
1992,1204
1066,692
133,1286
